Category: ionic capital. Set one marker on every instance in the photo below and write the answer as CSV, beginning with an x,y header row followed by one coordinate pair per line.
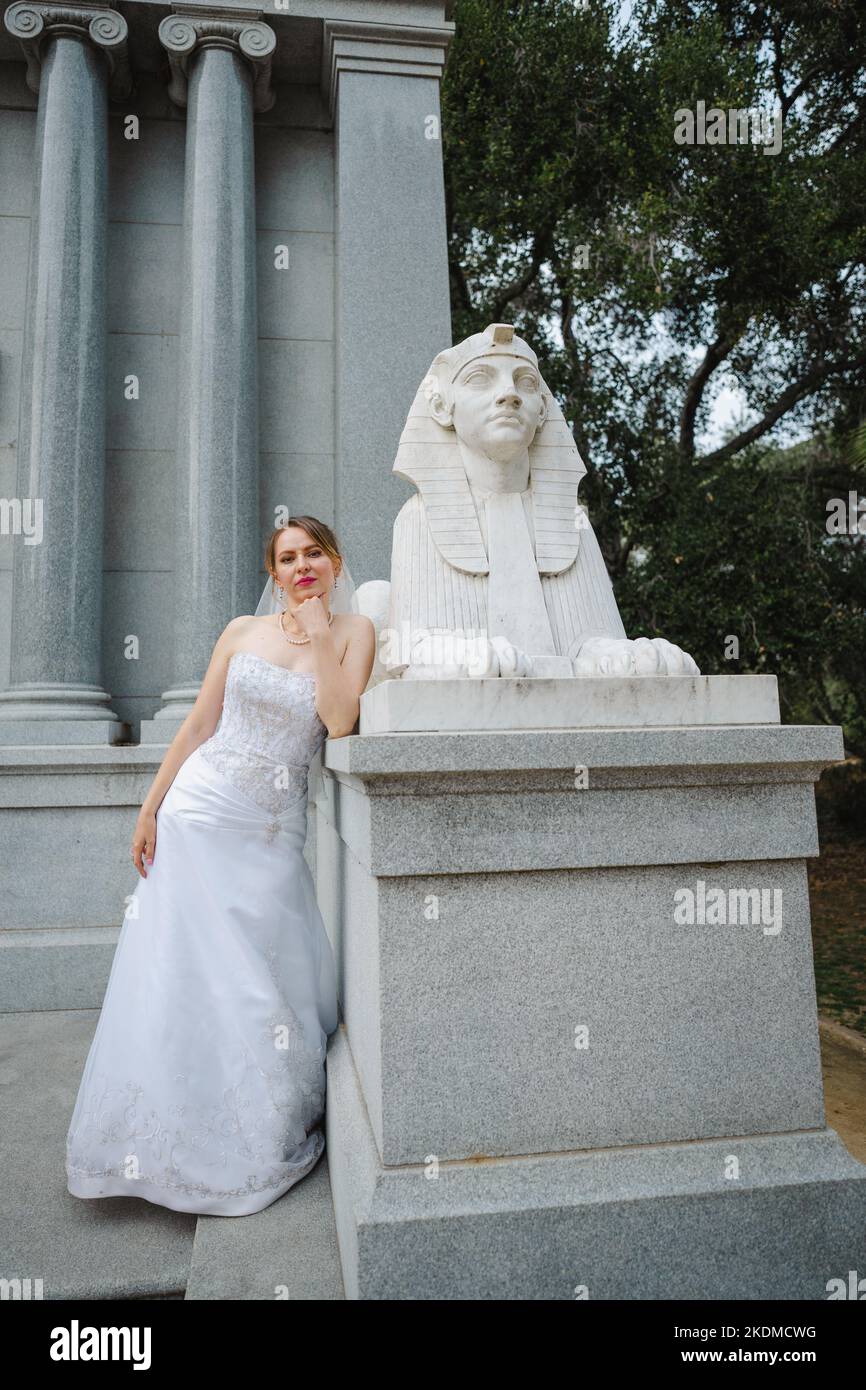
x,y
32,22
181,35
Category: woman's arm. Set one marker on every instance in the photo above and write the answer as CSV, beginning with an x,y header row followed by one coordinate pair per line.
x,y
339,685
202,719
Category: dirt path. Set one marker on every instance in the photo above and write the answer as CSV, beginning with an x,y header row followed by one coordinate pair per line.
x,y
837,890
843,1060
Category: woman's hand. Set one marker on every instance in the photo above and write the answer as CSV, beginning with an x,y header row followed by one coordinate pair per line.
x,y
144,840
310,615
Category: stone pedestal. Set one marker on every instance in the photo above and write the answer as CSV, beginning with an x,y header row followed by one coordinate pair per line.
x,y
424,706
548,1079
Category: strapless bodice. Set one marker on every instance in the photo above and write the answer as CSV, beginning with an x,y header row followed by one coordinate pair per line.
x,y
269,731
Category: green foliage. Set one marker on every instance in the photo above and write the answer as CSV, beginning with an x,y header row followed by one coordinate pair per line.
x,y
746,555
649,274
841,794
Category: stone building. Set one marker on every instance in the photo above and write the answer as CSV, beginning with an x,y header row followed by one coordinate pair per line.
x,y
181,360
223,272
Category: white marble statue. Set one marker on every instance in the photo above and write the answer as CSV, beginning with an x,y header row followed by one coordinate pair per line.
x,y
495,569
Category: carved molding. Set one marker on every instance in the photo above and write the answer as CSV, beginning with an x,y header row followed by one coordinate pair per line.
x,y
181,35
31,22
401,49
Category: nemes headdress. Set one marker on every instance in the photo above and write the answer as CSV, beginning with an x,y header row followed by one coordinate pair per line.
x,y
428,455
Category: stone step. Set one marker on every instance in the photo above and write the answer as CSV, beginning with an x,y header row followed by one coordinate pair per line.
x,y
123,1247
120,1247
287,1251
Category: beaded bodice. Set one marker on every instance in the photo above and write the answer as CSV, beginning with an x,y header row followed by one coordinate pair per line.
x,y
269,731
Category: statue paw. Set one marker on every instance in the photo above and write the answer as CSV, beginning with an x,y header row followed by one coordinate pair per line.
x,y
671,659
642,656
443,655
605,656
506,659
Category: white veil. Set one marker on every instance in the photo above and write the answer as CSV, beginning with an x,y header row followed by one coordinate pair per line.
x,y
342,600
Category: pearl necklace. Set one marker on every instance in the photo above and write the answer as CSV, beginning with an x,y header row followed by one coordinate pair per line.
x,y
298,641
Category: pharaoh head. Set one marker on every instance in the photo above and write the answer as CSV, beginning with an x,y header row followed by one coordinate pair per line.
x,y
487,394
488,389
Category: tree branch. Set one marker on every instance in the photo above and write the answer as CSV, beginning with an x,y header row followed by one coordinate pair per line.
x,y
846,132
715,353
794,393
462,285
455,269
566,309
795,92
778,66
541,248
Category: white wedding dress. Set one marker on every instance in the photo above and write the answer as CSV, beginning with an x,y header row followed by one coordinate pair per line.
x,y
204,1087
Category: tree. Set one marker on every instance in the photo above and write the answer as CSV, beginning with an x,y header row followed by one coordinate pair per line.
x,y
649,274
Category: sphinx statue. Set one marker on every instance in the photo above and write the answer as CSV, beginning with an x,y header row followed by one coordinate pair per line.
x,y
495,569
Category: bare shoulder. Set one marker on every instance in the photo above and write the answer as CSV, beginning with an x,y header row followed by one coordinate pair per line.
x,y
358,633
237,629
357,626
247,622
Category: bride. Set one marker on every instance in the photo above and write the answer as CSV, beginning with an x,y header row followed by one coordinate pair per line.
x,y
204,1087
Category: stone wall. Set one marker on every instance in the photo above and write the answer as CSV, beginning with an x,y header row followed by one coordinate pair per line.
x,y
349,182
294,208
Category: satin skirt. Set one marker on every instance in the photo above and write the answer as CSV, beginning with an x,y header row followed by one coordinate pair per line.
x,y
204,1087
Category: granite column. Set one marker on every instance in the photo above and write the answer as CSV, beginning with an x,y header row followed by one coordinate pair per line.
x,y
75,58
220,70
